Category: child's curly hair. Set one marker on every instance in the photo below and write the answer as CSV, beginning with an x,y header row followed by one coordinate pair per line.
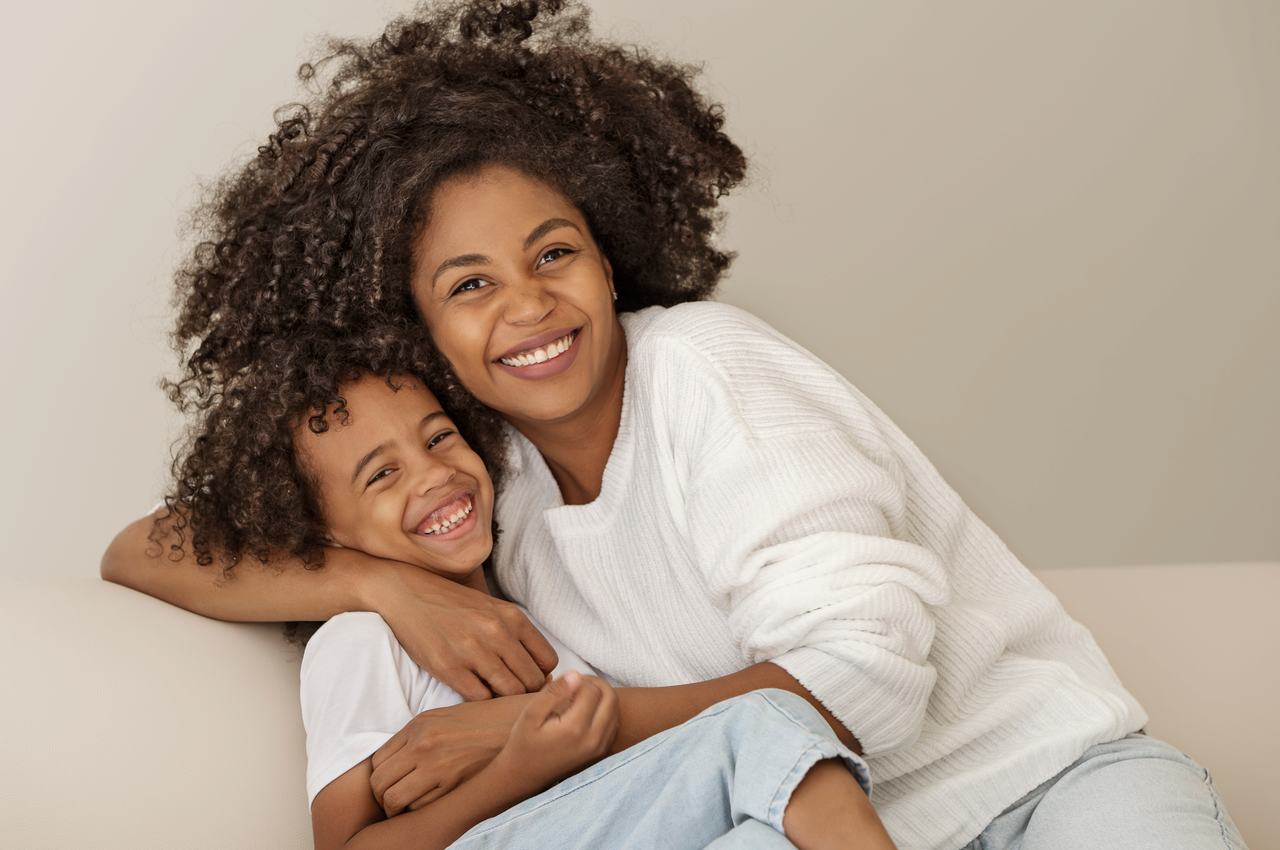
x,y
318,228
238,489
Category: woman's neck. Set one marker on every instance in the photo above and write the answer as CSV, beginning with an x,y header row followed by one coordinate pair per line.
x,y
577,449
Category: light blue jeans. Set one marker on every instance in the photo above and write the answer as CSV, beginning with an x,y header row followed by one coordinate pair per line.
x,y
721,780
1136,793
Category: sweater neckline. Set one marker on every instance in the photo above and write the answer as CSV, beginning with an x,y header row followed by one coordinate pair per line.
x,y
586,518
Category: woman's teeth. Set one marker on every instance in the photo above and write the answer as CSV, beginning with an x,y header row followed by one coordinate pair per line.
x,y
449,522
541,355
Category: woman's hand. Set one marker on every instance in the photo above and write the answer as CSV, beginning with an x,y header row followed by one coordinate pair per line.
x,y
568,726
439,749
478,645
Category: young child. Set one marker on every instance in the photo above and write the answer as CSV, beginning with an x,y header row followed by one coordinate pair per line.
x,y
371,461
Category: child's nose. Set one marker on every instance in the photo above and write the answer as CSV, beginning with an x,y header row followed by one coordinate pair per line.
x,y
430,473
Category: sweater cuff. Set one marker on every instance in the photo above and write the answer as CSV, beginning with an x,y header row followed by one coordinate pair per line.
x,y
883,718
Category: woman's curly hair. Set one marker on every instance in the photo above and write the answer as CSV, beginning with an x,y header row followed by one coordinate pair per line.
x,y
319,226
238,489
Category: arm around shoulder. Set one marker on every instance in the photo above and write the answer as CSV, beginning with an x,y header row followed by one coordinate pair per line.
x,y
143,557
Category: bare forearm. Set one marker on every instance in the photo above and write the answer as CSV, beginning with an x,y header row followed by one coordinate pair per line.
x,y
493,790
280,590
648,711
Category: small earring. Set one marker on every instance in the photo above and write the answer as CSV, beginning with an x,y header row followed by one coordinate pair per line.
x,y
615,294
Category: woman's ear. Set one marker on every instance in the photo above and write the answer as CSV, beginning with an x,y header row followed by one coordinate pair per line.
x,y
608,276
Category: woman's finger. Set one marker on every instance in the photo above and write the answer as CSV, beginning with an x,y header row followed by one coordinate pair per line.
x,y
429,797
386,775
522,665
535,643
468,685
390,748
411,787
499,678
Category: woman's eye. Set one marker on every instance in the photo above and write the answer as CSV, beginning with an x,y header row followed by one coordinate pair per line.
x,y
554,254
379,475
438,438
471,284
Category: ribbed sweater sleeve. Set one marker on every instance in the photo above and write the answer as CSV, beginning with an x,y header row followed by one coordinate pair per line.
x,y
796,513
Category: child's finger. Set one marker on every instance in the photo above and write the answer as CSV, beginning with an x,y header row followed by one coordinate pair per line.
x,y
585,699
547,705
604,723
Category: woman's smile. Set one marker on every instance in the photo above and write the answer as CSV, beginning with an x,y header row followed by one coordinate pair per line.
x,y
543,360
512,285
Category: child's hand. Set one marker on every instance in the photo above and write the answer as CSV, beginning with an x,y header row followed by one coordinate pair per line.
x,y
563,728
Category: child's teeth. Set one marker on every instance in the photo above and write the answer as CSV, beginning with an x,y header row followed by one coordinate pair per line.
x,y
453,519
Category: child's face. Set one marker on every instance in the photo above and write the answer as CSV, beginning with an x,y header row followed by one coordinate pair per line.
x,y
397,481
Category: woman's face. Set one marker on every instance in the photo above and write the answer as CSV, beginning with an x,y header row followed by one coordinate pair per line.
x,y
517,295
397,481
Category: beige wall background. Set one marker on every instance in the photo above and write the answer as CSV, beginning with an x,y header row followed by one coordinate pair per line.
x,y
1043,236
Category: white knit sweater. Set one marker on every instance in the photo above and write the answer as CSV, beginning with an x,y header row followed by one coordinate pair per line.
x,y
757,506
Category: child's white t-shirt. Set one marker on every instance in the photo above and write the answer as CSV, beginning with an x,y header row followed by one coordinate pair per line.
x,y
359,687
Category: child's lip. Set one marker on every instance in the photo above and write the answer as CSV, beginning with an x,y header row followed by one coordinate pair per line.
x,y
425,519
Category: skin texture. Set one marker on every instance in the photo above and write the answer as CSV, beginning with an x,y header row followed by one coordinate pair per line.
x,y
510,289
379,476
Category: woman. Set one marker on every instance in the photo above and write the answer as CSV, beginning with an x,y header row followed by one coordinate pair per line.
x,y
689,500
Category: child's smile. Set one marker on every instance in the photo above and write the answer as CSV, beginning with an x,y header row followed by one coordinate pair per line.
x,y
397,481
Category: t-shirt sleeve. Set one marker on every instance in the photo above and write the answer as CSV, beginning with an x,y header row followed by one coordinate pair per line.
x,y
358,688
797,514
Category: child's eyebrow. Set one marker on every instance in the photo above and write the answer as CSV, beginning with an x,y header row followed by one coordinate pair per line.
x,y
381,447
364,461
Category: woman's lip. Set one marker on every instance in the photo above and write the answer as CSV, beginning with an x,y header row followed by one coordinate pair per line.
x,y
536,342
462,529
549,368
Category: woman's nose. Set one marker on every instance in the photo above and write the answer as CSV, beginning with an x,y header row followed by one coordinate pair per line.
x,y
528,302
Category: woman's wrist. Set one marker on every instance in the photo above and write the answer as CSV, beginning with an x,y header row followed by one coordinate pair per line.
x,y
364,583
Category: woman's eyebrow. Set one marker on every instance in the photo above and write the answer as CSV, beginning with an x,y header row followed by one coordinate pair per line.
x,y
480,259
546,227
460,260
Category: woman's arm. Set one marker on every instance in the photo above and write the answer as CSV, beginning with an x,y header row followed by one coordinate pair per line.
x,y
346,815
434,750
478,645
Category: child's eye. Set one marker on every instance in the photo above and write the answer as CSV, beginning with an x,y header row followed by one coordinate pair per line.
x,y
377,476
471,284
554,254
435,440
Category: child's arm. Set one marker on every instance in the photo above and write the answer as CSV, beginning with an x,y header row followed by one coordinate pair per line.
x,y
475,644
560,730
403,763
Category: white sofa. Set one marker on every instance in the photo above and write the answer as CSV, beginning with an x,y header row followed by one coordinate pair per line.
x,y
132,724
